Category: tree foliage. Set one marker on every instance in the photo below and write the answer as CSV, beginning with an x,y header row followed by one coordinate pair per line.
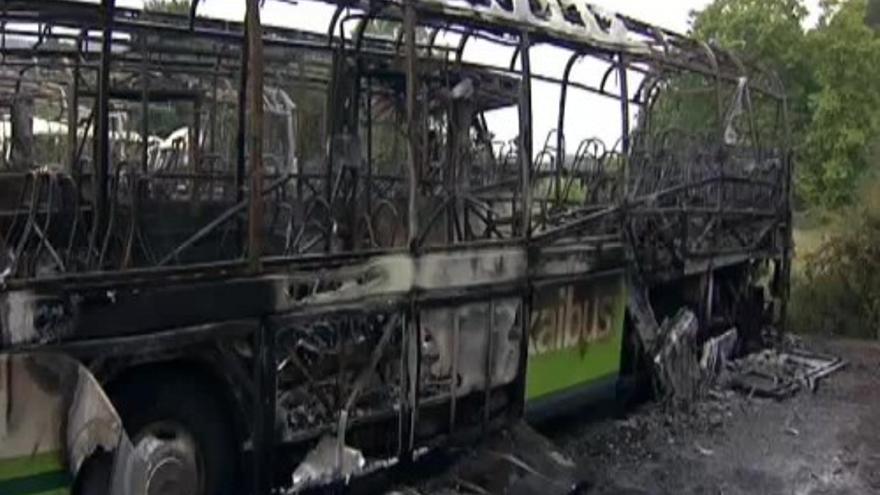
x,y
846,111
830,73
767,33
764,31
838,291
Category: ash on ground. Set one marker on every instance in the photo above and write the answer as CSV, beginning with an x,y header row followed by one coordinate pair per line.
x,y
792,421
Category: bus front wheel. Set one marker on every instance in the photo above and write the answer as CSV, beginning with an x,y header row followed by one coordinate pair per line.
x,y
183,431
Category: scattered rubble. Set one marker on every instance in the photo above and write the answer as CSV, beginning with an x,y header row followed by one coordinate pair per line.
x,y
517,461
740,443
327,461
776,374
719,351
676,362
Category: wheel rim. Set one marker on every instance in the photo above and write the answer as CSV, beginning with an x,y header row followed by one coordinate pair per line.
x,y
174,461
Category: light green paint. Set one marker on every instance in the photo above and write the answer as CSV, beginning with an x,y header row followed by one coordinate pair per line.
x,y
39,474
577,352
18,467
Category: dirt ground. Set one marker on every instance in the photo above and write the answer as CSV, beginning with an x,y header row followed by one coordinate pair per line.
x,y
827,442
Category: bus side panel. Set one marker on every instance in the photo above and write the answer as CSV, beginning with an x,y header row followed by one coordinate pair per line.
x,y
53,417
575,339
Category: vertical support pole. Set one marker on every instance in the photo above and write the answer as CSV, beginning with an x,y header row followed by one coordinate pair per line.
x,y
368,187
265,380
141,181
255,87
490,367
195,150
241,131
332,130
413,145
194,135
212,115
412,88
403,398
212,128
145,107
415,372
409,383
624,103
450,169
525,135
560,126
785,265
453,386
73,115
102,132
625,121
521,384
461,116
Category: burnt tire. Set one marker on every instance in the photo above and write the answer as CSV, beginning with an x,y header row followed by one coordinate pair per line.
x,y
195,409
94,475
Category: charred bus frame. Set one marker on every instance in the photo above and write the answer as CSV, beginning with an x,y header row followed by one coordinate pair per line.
x,y
413,326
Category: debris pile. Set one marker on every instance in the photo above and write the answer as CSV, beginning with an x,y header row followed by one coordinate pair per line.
x,y
676,362
684,370
517,460
329,460
776,374
719,351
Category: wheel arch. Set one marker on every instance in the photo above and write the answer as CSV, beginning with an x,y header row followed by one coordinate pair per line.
x,y
204,370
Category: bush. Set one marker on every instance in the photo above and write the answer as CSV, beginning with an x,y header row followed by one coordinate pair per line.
x,y
837,291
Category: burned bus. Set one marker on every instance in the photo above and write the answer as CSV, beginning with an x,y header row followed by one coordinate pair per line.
x,y
403,227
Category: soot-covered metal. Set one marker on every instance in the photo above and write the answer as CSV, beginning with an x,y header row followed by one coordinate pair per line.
x,y
330,223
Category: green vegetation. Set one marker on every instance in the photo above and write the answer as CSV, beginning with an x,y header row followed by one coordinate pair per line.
x,y
837,281
831,72
837,151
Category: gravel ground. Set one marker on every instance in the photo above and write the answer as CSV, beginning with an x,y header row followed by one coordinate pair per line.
x,y
827,442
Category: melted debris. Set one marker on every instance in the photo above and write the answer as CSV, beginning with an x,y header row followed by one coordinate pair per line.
x,y
517,461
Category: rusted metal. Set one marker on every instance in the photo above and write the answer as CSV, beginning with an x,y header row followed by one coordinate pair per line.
x,y
145,110
255,87
394,244
102,122
413,136
525,136
73,111
241,130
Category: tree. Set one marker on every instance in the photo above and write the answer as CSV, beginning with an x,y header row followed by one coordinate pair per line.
x,y
767,33
763,33
846,112
831,75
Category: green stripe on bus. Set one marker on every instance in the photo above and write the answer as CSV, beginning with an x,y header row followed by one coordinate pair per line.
x,y
562,370
576,335
24,466
49,483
